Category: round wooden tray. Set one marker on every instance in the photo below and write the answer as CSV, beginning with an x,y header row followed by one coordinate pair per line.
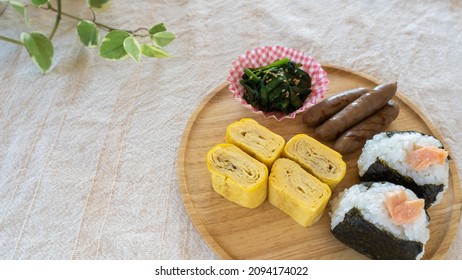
x,y
235,232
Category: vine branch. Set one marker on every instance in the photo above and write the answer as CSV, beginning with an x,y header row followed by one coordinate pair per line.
x,y
11,40
59,13
100,25
58,19
117,44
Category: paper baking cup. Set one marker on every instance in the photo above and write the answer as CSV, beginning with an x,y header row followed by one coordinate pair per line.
x,y
263,56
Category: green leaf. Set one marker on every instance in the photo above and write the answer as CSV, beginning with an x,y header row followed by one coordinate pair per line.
x,y
112,46
97,3
151,51
21,9
88,33
162,39
133,48
157,28
39,48
39,2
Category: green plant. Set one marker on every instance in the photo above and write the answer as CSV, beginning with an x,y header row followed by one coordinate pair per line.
x,y
116,44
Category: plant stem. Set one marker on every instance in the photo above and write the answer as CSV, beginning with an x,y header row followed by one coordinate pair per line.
x,y
100,25
58,19
11,40
58,10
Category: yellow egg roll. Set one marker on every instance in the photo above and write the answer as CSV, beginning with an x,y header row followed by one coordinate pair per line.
x,y
296,192
237,176
323,162
256,140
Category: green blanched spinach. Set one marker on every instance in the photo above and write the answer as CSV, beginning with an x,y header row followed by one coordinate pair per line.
x,y
277,87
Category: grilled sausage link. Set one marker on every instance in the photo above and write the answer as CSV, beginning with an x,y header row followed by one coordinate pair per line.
x,y
325,109
355,137
356,111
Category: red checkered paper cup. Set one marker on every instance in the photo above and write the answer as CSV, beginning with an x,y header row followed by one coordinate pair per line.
x,y
265,55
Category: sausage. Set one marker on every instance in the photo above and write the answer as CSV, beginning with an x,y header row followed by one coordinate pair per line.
x,y
355,137
356,111
325,109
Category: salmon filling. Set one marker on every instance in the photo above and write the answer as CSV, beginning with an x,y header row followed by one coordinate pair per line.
x,y
423,157
403,211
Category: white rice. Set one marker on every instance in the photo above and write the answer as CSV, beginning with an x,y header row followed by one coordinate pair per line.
x,y
371,203
394,149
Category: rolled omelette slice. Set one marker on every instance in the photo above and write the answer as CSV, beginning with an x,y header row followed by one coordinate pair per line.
x,y
237,176
296,192
323,162
256,140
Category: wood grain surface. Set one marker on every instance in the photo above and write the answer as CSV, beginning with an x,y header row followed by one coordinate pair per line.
x,y
234,232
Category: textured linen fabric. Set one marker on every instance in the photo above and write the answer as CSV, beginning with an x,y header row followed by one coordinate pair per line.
x,y
88,152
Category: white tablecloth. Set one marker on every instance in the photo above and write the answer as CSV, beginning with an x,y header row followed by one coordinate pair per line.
x,y
88,152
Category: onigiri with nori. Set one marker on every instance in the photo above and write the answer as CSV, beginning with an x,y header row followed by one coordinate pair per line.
x,y
381,220
412,159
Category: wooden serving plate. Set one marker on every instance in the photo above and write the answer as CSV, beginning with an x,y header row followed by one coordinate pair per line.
x,y
235,232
